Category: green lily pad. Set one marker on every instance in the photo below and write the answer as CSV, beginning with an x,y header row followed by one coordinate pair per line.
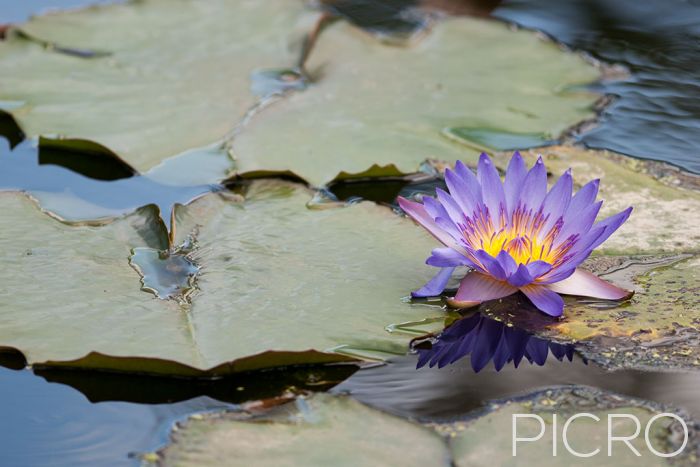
x,y
177,76
379,104
666,298
659,327
326,430
487,440
280,284
319,431
664,219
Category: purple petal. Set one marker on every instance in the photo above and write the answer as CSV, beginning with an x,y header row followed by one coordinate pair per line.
x,y
585,284
557,200
491,188
584,197
534,186
544,299
447,257
611,224
466,191
582,249
579,224
507,263
446,224
453,209
476,288
418,213
515,175
436,285
521,277
538,268
491,264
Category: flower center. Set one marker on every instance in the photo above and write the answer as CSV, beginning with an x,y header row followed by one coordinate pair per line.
x,y
522,236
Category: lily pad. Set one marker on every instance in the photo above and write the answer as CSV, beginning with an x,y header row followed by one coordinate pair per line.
x,y
323,430
177,76
664,216
487,440
659,327
379,104
319,431
667,298
280,284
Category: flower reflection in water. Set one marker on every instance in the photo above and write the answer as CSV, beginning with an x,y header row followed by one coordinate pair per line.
x,y
486,339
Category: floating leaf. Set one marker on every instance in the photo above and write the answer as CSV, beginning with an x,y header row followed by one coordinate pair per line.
x,y
276,281
667,297
319,431
177,76
324,430
380,104
658,327
488,440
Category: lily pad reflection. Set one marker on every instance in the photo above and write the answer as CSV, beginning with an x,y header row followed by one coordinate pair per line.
x,y
486,339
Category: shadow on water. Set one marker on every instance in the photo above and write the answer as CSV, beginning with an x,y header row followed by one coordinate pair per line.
x,y
385,191
93,418
657,113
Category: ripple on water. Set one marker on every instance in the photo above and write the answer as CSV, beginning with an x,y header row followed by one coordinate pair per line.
x,y
657,112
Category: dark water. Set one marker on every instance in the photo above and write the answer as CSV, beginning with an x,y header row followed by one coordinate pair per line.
x,y
53,424
453,391
657,111
77,192
79,418
477,359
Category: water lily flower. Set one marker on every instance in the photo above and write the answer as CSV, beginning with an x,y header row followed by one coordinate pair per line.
x,y
515,235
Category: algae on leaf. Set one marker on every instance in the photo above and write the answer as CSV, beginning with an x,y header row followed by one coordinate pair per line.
x,y
375,103
277,281
177,76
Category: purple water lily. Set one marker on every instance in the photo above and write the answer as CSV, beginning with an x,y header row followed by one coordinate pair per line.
x,y
515,235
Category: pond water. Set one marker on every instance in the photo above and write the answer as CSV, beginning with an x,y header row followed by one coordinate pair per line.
x,y
656,114
92,418
53,424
